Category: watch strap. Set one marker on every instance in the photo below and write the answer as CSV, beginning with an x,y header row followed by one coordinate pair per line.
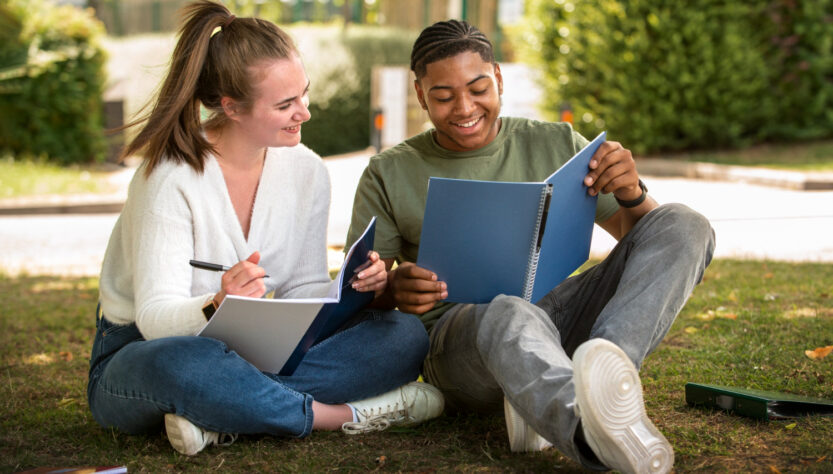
x,y
637,201
209,309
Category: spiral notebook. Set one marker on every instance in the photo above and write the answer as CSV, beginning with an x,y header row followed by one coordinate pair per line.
x,y
485,238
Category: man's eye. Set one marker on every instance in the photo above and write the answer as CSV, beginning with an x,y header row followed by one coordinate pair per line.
x,y
443,99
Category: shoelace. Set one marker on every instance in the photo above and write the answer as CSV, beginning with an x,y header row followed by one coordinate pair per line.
x,y
219,439
379,422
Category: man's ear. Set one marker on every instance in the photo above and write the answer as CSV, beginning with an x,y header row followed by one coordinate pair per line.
x,y
230,107
420,94
499,78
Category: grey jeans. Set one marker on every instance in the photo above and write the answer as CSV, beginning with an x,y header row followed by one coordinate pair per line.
x,y
511,348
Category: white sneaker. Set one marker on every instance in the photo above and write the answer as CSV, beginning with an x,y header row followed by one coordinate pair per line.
x,y
609,404
407,405
522,438
189,439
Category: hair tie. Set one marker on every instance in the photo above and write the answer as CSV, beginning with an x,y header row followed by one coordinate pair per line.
x,y
228,21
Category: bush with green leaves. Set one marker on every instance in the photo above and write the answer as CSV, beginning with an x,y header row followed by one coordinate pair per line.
x,y
663,75
800,37
51,82
339,62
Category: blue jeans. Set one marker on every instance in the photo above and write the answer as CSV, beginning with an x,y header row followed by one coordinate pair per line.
x,y
511,348
133,382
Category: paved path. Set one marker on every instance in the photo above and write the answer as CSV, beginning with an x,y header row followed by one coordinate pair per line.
x,y
751,221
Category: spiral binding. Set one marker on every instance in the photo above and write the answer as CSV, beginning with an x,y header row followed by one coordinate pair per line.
x,y
535,249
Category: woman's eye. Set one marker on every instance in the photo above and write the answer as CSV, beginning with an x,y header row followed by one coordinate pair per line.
x,y
480,92
284,107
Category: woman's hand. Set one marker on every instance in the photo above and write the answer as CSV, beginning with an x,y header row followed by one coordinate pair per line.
x,y
373,277
243,279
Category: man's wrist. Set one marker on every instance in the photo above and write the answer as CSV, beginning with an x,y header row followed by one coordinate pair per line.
x,y
634,202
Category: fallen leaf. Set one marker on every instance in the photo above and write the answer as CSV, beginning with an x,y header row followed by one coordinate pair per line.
x,y
691,330
733,296
791,426
381,460
819,352
774,469
66,355
727,315
707,316
66,401
39,359
768,275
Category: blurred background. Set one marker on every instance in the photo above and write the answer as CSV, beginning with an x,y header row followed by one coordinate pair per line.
x,y
660,75
744,87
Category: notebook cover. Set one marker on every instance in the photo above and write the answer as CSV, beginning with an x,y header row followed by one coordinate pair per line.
x,y
761,404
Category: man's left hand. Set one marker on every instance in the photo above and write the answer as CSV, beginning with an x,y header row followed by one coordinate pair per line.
x,y
613,170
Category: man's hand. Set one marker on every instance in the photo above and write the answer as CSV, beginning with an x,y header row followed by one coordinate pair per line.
x,y
613,170
414,289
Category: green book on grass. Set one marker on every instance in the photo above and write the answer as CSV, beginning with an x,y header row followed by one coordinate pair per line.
x,y
761,404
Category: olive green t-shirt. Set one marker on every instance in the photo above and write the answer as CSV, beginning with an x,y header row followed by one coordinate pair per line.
x,y
394,186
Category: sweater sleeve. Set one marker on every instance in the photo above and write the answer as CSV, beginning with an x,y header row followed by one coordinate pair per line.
x,y
164,305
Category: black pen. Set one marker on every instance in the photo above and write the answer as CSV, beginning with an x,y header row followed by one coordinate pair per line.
x,y
214,267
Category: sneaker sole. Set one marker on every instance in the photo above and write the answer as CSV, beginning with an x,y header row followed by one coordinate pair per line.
x,y
522,438
608,384
175,427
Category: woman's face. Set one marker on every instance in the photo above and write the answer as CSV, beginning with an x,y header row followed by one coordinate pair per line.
x,y
280,103
462,96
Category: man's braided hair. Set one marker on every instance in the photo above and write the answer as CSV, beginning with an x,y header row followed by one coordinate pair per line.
x,y
445,39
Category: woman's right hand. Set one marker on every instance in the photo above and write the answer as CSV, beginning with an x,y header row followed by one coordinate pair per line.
x,y
243,279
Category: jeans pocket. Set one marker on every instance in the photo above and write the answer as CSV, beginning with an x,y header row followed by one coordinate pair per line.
x,y
109,338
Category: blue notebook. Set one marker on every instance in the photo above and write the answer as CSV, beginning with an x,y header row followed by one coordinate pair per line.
x,y
485,238
274,335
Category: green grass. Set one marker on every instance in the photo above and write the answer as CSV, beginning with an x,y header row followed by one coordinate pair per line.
x,y
30,178
810,156
747,325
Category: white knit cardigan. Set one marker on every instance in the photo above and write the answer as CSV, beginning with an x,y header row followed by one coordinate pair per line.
x,y
178,214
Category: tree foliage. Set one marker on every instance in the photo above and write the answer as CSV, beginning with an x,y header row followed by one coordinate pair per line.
x,y
664,75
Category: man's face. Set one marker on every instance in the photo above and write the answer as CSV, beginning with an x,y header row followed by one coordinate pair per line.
x,y
462,96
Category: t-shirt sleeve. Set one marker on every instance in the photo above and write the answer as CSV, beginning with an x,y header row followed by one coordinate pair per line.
x,y
371,200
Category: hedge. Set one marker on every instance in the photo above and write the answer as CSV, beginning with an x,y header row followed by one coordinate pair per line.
x,y
339,62
665,75
51,82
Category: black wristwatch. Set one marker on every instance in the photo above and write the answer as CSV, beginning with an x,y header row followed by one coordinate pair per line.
x,y
637,201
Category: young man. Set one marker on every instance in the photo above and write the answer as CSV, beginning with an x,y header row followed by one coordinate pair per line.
x,y
567,366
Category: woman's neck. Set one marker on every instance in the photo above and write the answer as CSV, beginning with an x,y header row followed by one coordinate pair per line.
x,y
234,152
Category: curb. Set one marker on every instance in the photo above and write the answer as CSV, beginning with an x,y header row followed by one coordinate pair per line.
x,y
92,208
794,180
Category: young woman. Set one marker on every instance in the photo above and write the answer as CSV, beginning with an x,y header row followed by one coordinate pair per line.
x,y
238,188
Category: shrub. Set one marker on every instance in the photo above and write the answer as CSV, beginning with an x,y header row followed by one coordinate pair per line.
x,y
801,52
663,75
339,62
51,82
